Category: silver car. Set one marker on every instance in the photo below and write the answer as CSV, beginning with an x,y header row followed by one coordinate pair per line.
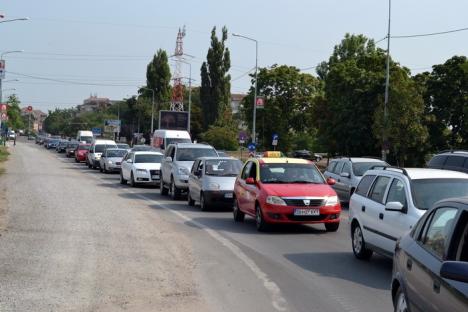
x,y
211,181
111,159
347,172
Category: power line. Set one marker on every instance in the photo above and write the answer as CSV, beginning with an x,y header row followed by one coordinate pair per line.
x,y
243,75
431,34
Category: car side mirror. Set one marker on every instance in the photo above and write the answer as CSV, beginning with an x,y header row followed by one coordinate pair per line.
x,y
90,152
250,180
169,159
394,206
129,161
455,270
331,181
345,175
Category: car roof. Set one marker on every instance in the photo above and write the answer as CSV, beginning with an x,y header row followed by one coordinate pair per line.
x,y
422,173
217,158
283,160
147,153
192,145
359,159
458,200
116,149
454,152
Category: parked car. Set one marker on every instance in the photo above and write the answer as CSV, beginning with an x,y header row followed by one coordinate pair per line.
x,y
211,181
52,143
11,135
285,191
111,159
141,167
389,201
62,146
305,154
177,163
430,266
347,172
81,152
70,150
450,160
95,152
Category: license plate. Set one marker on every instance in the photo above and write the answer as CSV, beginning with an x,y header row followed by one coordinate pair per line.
x,y
228,195
155,177
307,212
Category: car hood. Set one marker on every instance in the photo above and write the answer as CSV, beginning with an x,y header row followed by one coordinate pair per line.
x,y
299,190
147,166
225,183
185,164
115,159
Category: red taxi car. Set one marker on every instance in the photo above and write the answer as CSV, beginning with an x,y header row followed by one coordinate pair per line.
x,y
81,152
285,190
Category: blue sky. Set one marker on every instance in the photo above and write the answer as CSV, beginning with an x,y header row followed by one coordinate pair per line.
x,y
110,42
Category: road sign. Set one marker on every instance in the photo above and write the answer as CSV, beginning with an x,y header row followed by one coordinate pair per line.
x,y
2,69
251,147
4,116
3,107
260,102
275,138
30,108
242,137
112,125
96,131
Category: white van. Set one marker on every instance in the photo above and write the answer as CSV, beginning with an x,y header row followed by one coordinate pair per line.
x,y
84,136
95,152
162,138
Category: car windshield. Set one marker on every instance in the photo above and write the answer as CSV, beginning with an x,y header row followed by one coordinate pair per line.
x,y
177,140
426,192
123,146
142,148
87,139
83,147
99,148
290,173
359,168
190,154
72,145
116,153
223,167
148,158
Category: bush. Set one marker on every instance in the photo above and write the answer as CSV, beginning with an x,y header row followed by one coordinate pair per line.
x,y
222,138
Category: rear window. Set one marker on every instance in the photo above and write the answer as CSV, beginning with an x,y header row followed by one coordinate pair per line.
x,y
99,148
148,158
364,185
437,161
190,154
455,161
359,168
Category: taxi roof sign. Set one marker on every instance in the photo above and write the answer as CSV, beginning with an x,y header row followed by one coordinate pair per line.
x,y
272,154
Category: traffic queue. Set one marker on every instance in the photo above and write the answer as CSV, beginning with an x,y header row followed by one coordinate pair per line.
x,y
417,216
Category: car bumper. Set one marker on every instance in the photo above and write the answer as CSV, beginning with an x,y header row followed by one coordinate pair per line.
x,y
80,157
285,214
181,182
113,167
219,197
150,177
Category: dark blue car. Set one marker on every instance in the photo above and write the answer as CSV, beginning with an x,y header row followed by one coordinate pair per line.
x,y
430,265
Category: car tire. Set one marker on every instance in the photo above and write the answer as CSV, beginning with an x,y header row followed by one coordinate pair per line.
x,y
105,169
132,180
89,165
203,205
122,180
359,245
400,304
332,227
76,160
164,191
190,201
100,169
239,216
175,192
260,222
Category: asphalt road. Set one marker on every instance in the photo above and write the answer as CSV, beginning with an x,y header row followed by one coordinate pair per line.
x,y
78,240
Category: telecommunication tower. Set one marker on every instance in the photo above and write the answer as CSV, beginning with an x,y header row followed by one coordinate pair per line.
x,y
177,99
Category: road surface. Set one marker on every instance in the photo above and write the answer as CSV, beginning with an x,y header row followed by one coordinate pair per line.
x,y
77,240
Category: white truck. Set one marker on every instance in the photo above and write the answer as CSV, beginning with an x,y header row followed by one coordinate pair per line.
x,y
162,138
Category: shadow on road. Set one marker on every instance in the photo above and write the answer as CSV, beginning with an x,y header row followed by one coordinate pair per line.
x,y
376,273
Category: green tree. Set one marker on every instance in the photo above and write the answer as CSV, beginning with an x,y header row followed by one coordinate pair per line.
x,y
290,98
158,78
222,138
216,82
15,120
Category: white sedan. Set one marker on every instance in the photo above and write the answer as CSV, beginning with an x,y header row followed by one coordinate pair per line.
x,y
141,168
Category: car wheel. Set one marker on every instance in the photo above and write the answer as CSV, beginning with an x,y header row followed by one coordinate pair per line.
x,y
203,205
238,214
105,169
190,201
89,165
332,227
359,245
132,180
400,302
162,188
100,169
76,160
175,192
260,222
122,180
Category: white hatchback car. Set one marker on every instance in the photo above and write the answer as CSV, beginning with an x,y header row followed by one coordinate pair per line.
x,y
389,201
141,167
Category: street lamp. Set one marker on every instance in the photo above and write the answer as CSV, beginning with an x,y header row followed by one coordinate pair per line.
x,y
1,58
152,109
16,19
256,84
387,83
11,80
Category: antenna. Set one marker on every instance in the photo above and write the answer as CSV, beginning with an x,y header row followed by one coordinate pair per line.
x,y
177,99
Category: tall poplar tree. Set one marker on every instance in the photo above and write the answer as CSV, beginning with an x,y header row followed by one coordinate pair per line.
x,y
158,78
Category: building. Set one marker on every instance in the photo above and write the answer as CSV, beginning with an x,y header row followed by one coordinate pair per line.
x,y
236,99
37,118
94,104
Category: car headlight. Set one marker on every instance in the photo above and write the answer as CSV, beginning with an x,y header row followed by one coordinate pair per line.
x,y
331,201
141,170
110,162
275,200
183,171
213,186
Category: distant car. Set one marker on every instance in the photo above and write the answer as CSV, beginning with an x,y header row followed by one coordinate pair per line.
x,y
70,150
305,154
95,152
143,148
389,201
62,146
111,159
430,266
141,167
11,135
211,181
222,153
177,163
52,143
163,138
285,191
123,146
450,160
81,152
348,171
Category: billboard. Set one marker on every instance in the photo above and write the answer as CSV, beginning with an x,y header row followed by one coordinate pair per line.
x,y
171,120
112,125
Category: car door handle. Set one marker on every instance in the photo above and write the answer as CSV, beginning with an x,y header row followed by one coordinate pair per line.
x,y
409,264
436,286
381,216
363,208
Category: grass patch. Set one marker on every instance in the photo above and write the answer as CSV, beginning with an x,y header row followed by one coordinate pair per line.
x,y
3,153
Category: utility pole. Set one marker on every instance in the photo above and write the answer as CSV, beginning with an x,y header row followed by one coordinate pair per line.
x,y
387,83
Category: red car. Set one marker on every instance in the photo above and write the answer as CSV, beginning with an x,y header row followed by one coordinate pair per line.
x,y
285,190
81,152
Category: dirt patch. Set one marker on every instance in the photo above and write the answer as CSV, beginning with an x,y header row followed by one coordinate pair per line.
x,y
3,201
